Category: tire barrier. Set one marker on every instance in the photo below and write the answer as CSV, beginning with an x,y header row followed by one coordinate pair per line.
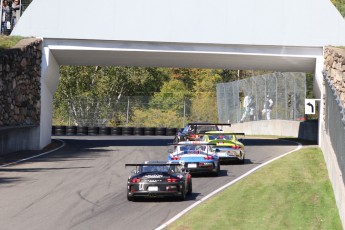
x,y
92,131
127,131
71,130
160,131
81,130
149,131
104,131
171,131
60,130
138,131
116,131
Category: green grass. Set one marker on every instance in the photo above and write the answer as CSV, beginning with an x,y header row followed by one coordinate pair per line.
x,y
9,41
293,192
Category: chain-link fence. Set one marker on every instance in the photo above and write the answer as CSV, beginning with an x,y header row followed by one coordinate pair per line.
x,y
137,111
335,123
270,96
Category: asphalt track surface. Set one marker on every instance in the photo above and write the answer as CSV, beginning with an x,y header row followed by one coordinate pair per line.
x,y
83,185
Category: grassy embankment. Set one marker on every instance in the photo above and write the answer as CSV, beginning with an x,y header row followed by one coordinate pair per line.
x,y
293,192
8,41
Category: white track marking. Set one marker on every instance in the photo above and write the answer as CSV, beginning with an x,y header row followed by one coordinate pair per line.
x,y
42,154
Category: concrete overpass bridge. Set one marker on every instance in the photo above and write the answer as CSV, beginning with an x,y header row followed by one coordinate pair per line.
x,y
286,35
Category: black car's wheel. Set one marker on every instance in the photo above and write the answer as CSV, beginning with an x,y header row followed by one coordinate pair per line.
x,y
183,195
129,198
190,188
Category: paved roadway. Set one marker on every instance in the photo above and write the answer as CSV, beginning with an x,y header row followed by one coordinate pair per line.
x,y
83,185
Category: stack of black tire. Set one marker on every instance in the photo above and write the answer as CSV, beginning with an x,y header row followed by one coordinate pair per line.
x,y
125,131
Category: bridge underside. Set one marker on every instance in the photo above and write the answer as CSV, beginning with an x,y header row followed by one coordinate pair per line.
x,y
155,54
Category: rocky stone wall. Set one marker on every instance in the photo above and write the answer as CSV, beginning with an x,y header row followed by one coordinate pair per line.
x,y
334,67
332,141
20,72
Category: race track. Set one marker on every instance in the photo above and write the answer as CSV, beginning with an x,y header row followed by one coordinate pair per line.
x,y
83,185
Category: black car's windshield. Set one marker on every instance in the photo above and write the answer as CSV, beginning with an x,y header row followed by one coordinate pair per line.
x,y
205,128
200,128
159,168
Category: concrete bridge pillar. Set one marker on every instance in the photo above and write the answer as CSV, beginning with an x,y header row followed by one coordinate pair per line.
x,y
49,83
319,91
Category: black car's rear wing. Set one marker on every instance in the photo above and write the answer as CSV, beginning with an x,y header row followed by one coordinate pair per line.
x,y
224,133
153,164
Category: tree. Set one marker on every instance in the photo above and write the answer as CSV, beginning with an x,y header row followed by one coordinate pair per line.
x,y
155,118
93,95
77,84
171,97
204,101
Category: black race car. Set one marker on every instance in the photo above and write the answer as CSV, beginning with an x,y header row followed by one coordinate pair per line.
x,y
195,130
159,179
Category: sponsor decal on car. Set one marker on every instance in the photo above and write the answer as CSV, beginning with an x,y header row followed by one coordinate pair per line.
x,y
153,176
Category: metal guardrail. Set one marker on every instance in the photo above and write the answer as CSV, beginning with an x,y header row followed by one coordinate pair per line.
x,y
335,123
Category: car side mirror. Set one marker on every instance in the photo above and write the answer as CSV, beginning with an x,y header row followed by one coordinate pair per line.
x,y
170,151
217,151
134,171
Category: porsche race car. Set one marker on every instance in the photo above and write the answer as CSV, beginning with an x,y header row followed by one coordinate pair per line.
x,y
198,157
226,145
159,179
195,130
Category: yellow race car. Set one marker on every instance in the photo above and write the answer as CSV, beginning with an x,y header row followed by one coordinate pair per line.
x,y
226,145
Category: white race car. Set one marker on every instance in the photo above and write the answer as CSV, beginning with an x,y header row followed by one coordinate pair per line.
x,y
198,157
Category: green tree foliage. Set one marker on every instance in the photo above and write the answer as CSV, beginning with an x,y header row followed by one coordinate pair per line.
x,y
76,85
171,96
155,118
92,95
204,101
228,75
184,75
189,95
340,5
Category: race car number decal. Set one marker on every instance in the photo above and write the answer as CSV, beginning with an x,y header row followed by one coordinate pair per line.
x,y
141,186
192,165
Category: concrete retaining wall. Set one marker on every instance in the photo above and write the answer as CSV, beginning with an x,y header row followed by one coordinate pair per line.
x,y
304,130
334,173
13,139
